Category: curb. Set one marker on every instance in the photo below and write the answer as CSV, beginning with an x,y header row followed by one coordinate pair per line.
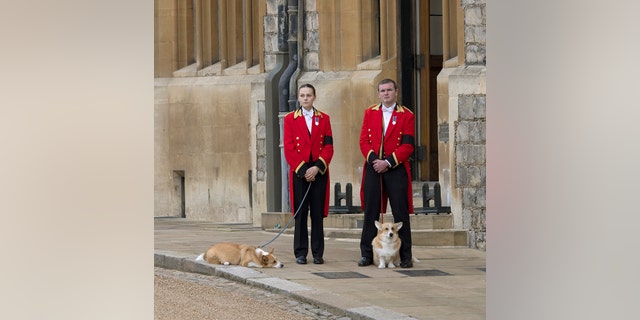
x,y
332,302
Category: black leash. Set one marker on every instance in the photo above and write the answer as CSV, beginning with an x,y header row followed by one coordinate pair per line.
x,y
381,206
292,218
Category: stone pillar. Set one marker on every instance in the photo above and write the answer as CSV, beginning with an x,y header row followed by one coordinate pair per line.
x,y
462,130
470,164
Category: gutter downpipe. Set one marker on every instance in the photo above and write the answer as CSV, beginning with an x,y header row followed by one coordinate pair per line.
x,y
273,137
284,92
293,83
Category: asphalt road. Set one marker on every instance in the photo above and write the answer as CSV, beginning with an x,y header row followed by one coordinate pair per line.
x,y
180,295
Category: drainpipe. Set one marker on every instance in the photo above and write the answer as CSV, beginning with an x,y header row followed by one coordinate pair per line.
x,y
273,124
293,83
286,104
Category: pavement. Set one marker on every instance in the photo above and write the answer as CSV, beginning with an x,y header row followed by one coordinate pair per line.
x,y
447,284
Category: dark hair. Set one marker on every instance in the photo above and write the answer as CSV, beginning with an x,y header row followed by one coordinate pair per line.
x,y
385,81
306,85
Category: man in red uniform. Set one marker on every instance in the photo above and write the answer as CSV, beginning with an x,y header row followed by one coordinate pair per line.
x,y
386,142
308,148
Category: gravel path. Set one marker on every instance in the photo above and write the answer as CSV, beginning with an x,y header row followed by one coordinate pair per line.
x,y
180,295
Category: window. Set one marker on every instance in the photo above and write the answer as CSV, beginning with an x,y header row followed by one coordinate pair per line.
x,y
370,29
185,34
224,32
452,20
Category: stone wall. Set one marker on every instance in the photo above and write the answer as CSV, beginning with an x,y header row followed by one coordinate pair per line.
x,y
470,129
206,129
470,155
271,35
311,41
475,26
311,37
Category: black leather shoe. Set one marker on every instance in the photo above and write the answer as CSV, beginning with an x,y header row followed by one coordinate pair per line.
x,y
301,260
318,260
406,264
364,262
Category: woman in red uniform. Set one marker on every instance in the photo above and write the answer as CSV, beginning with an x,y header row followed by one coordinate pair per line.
x,y
308,149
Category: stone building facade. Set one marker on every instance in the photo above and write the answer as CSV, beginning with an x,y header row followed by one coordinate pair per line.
x,y
226,73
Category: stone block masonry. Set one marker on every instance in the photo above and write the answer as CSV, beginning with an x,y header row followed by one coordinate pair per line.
x,y
475,26
470,164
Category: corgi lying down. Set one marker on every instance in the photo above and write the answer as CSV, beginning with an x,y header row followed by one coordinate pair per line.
x,y
227,253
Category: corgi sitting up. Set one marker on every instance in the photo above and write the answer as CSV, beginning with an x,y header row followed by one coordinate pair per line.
x,y
386,245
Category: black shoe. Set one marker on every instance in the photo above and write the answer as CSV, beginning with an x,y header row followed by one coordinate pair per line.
x,y
406,264
364,262
318,260
301,260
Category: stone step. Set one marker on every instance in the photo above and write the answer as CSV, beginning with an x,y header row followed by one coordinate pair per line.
x,y
426,230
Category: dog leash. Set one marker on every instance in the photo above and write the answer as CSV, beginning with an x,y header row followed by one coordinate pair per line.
x,y
292,218
381,201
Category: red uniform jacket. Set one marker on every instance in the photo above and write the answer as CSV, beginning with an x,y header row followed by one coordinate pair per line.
x,y
298,144
398,143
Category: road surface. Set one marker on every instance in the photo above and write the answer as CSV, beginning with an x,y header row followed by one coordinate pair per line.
x,y
180,295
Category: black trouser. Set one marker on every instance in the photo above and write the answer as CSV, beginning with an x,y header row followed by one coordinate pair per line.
x,y
313,206
395,183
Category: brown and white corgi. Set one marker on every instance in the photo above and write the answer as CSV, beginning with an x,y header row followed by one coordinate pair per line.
x,y
228,253
386,245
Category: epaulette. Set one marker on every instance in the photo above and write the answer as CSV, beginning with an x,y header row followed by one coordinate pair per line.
x,y
403,108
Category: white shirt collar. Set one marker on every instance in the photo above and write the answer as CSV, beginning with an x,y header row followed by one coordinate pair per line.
x,y
307,113
389,109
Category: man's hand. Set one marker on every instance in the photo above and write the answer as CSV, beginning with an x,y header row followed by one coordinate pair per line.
x,y
380,166
311,173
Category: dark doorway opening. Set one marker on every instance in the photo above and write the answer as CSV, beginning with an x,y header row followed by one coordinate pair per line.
x,y
178,182
421,57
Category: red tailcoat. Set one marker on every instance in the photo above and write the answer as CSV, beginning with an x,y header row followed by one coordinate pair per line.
x,y
395,150
298,144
